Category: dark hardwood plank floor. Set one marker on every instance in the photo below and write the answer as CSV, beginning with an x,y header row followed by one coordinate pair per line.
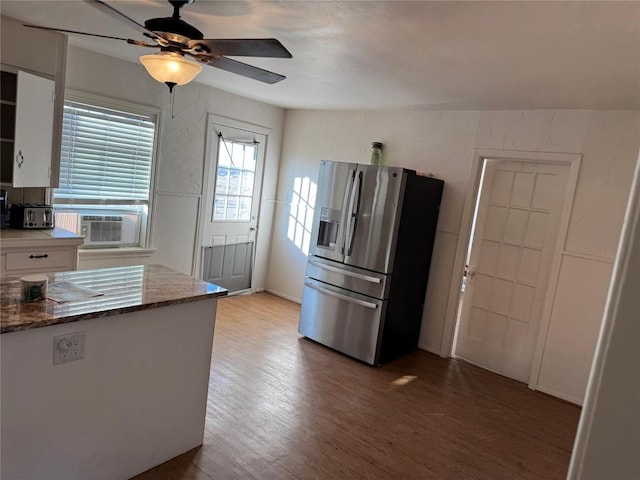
x,y
283,407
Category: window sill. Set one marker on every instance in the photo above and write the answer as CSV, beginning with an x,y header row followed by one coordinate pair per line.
x,y
107,253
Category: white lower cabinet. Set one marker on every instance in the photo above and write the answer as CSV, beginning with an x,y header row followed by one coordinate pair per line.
x,y
38,251
59,259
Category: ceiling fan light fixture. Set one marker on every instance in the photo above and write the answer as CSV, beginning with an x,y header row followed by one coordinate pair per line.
x,y
176,38
170,68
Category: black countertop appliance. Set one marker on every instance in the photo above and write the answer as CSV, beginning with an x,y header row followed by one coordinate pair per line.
x,y
31,216
4,208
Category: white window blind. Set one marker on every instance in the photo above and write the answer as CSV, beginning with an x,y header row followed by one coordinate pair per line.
x,y
106,156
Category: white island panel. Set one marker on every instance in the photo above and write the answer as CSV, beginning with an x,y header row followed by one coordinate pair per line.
x,y
137,399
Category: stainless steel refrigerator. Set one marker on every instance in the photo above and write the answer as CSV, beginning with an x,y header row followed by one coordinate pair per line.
x,y
368,266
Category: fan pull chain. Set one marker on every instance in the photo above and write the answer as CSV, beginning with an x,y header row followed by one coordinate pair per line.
x,y
172,96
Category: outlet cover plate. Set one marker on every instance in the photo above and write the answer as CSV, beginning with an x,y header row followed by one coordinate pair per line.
x,y
68,347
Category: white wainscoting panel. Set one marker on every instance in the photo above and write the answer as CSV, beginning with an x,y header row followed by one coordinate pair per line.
x,y
174,230
575,323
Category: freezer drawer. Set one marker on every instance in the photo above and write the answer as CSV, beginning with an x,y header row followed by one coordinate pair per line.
x,y
351,278
342,320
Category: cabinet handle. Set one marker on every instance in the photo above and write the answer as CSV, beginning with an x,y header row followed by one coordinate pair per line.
x,y
357,301
19,159
346,272
39,256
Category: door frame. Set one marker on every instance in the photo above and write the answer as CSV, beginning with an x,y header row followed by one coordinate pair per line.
x,y
210,161
573,160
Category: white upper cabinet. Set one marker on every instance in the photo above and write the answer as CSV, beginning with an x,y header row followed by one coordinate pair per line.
x,y
34,131
31,153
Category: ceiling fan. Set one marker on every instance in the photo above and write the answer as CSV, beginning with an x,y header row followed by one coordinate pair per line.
x,y
179,42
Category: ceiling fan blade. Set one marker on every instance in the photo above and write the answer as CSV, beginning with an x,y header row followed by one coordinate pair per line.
x,y
240,47
240,68
100,5
128,40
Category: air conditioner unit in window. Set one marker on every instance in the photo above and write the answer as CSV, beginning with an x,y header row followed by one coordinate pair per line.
x,y
110,230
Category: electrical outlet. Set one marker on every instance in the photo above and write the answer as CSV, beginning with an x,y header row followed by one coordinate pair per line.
x,y
69,347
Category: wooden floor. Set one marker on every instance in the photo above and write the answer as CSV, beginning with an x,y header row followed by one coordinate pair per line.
x,y
283,407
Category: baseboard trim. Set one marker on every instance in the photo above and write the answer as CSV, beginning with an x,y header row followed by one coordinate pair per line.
x,y
285,296
560,395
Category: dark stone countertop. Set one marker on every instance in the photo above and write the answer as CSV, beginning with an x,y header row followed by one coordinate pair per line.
x,y
122,289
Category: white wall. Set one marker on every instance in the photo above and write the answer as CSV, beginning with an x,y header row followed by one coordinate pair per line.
x,y
443,143
608,439
181,150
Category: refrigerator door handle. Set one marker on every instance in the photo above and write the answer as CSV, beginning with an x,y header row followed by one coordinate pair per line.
x,y
343,297
347,273
347,197
354,208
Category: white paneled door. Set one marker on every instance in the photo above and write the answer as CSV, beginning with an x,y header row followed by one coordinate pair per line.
x,y
232,206
513,241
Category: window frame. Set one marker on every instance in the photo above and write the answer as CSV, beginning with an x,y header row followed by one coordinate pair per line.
x,y
99,101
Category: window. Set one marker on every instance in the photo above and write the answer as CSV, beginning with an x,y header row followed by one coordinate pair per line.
x,y
234,180
106,166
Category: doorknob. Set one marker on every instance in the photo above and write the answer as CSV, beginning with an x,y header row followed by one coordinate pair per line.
x,y
252,228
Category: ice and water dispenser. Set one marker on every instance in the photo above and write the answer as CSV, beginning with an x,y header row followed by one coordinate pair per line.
x,y
329,226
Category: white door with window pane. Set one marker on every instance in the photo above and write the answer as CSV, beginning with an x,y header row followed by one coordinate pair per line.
x,y
515,235
232,206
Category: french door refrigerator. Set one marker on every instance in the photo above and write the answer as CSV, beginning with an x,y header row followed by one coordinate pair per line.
x,y
368,266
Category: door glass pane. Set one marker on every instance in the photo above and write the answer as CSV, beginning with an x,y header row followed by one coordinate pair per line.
x,y
232,208
234,182
220,207
223,153
222,180
250,158
238,155
245,208
247,184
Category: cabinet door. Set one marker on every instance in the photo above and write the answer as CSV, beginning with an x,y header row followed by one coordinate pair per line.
x,y
34,131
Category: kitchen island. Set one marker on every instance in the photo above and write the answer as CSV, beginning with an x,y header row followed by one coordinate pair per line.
x,y
136,397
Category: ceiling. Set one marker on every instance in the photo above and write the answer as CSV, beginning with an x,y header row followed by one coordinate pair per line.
x,y
397,54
